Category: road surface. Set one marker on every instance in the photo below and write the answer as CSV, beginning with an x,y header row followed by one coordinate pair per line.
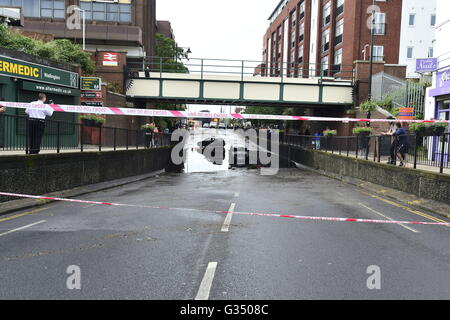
x,y
179,253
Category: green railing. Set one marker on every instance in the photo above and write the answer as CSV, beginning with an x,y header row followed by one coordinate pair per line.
x,y
242,68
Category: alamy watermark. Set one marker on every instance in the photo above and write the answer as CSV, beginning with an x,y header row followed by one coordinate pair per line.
x,y
374,280
250,147
73,282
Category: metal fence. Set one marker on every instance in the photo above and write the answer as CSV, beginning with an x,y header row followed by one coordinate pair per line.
x,y
404,94
242,68
60,135
429,151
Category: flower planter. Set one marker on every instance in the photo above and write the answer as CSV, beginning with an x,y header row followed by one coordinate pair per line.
x,y
439,131
429,131
87,122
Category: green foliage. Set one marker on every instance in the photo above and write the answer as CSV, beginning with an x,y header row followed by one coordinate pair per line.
x,y
93,117
162,123
58,50
330,133
418,126
368,106
148,126
168,54
361,130
441,124
268,111
114,87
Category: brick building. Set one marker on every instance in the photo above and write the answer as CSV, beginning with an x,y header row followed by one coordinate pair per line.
x,y
308,37
165,28
123,25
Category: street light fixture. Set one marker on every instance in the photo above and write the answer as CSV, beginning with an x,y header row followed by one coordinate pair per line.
x,y
176,51
84,26
372,33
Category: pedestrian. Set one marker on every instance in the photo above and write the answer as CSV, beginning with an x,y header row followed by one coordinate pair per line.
x,y
317,140
390,132
402,143
36,123
2,109
156,136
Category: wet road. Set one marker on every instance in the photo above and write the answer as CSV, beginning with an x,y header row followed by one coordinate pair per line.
x,y
143,253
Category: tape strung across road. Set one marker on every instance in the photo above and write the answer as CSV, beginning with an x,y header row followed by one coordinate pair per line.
x,y
186,114
273,215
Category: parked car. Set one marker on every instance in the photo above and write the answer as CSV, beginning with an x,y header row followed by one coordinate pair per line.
x,y
206,125
222,125
213,125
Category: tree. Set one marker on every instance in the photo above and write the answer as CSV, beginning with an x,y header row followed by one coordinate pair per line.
x,y
58,50
168,54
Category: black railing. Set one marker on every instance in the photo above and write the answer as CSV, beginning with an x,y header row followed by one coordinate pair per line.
x,y
61,135
422,151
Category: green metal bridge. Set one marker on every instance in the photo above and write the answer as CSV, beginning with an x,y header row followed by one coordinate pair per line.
x,y
238,82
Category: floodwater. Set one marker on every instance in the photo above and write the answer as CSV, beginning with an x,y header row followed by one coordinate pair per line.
x,y
197,162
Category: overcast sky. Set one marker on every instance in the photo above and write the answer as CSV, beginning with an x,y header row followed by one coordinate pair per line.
x,y
218,29
223,29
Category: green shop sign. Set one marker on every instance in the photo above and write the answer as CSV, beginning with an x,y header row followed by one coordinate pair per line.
x,y
36,72
46,88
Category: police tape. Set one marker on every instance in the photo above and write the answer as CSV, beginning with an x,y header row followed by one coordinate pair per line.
x,y
188,114
273,215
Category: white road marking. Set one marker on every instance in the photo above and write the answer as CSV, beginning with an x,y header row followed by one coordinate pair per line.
x,y
237,194
22,228
380,214
227,222
205,286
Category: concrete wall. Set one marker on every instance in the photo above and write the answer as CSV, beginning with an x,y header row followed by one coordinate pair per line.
x,y
52,172
423,184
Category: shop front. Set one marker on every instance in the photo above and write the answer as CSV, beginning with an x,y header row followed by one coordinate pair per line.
x,y
22,81
441,111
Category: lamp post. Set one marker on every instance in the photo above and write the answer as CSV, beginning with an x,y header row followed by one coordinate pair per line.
x,y
372,32
188,51
84,26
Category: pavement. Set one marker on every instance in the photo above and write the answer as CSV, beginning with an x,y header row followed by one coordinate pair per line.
x,y
187,250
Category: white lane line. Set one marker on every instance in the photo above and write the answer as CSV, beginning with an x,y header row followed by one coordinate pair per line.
x,y
380,214
22,228
205,286
227,222
236,195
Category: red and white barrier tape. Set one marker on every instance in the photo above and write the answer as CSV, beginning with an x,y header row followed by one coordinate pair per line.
x,y
186,114
226,212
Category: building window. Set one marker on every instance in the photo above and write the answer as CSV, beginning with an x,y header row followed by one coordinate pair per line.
x,y
430,52
326,17
337,61
326,40
340,7
301,32
302,10
412,19
300,55
410,52
52,9
378,53
39,9
100,11
339,32
380,24
325,66
433,20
